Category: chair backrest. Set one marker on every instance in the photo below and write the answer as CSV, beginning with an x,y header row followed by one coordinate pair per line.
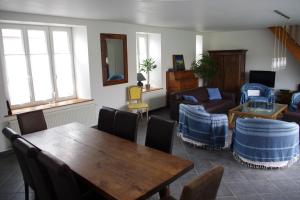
x,y
106,119
160,134
31,122
255,86
134,93
10,134
204,187
270,138
295,100
126,125
62,178
42,185
200,127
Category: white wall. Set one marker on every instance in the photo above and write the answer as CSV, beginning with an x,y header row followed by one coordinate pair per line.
x,y
172,42
259,44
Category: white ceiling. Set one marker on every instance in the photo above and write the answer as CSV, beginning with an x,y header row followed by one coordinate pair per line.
x,y
185,14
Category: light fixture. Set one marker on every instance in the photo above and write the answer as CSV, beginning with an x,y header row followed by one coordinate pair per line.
x,y
279,60
140,77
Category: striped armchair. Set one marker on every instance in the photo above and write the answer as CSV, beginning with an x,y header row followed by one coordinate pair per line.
x,y
266,93
265,143
201,128
294,102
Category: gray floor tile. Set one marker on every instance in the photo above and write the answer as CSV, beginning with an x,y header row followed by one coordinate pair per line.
x,y
239,181
274,196
250,197
241,188
263,187
287,186
226,198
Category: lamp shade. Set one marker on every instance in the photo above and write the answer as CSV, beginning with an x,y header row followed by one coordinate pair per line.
x,y
140,77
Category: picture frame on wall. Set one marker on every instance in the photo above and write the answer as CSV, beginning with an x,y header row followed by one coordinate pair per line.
x,y
178,62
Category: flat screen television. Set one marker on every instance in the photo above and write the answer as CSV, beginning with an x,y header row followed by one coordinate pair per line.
x,y
263,77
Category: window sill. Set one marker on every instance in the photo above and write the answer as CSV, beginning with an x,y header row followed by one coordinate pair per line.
x,y
151,89
48,106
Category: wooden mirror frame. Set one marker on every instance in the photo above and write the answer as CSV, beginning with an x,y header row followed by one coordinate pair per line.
x,y
103,37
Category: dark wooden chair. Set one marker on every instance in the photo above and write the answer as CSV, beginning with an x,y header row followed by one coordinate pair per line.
x,y
106,119
28,182
204,187
31,122
42,185
126,125
160,134
63,179
10,134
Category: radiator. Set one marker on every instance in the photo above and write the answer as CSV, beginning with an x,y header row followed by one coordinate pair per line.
x,y
84,113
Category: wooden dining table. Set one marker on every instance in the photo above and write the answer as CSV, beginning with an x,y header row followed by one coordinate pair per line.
x,y
116,168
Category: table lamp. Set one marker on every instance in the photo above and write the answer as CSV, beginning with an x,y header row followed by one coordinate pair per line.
x,y
140,78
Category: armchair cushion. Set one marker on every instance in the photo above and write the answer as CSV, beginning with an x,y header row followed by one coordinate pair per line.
x,y
253,93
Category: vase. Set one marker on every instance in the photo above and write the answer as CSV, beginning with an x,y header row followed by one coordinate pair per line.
x,y
147,86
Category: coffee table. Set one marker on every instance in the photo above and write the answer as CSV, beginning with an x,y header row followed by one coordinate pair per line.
x,y
256,110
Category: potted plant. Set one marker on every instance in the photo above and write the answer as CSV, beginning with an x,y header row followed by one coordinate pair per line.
x,y
147,66
205,68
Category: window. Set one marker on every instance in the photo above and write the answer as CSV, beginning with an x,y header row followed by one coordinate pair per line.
x,y
142,48
148,45
199,46
38,64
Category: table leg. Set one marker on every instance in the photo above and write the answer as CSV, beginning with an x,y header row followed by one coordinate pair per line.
x,y
231,120
164,192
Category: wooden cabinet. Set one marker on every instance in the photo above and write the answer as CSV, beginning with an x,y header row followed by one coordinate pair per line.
x,y
180,80
231,70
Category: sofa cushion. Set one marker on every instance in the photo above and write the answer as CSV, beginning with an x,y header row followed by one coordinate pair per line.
x,y
218,106
190,98
199,93
214,94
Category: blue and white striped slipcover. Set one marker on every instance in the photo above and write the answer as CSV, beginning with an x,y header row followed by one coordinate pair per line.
x,y
266,93
294,102
201,128
266,142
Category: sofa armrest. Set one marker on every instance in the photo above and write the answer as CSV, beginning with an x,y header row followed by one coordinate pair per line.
x,y
229,95
291,117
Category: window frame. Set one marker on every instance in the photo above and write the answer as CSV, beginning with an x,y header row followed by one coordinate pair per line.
x,y
145,36
49,42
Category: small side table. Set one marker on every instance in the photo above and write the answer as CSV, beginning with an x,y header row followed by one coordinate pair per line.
x,y
284,96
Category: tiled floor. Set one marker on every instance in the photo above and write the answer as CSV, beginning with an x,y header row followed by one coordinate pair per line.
x,y
239,181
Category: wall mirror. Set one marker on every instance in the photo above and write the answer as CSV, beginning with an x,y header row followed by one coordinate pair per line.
x,y
114,58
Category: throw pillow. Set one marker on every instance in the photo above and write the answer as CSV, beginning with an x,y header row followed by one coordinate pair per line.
x,y
253,93
214,94
190,98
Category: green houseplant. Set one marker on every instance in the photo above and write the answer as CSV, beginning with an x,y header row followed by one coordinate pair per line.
x,y
205,68
147,66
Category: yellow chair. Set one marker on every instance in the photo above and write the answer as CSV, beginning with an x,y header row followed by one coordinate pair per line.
x,y
135,100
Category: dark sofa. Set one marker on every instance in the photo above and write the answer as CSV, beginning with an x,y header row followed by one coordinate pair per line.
x,y
292,117
212,106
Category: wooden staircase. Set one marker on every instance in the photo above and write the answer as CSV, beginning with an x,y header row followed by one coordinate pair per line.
x,y
291,43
